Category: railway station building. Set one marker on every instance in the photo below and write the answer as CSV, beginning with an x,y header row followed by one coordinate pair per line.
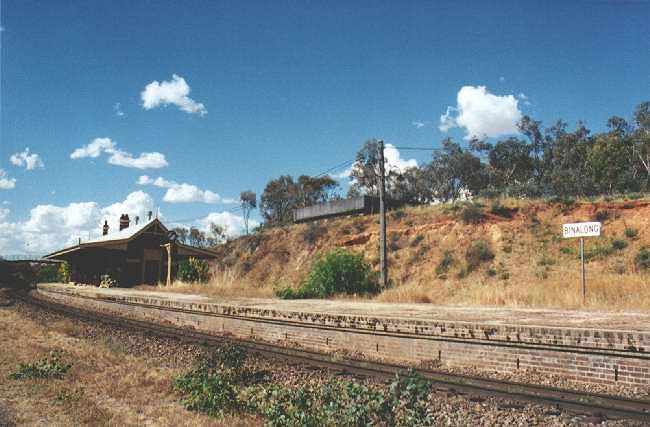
x,y
135,254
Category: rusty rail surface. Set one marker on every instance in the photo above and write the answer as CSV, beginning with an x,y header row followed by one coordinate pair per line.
x,y
599,405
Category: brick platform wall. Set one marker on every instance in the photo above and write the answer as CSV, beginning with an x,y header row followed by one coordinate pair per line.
x,y
604,357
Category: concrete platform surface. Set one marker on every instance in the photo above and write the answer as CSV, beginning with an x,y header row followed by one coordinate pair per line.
x,y
571,319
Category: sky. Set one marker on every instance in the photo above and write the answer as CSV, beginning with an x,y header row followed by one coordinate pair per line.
x,y
176,107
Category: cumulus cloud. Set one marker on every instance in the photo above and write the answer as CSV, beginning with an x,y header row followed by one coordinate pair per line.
x,y
175,91
49,227
93,149
6,182
232,224
183,193
118,157
27,160
4,213
482,114
418,124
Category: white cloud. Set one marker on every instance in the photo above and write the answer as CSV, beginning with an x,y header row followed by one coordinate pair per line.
x,y
93,149
482,114
118,157
232,224
4,213
418,124
175,91
183,193
51,227
117,108
143,161
6,183
27,160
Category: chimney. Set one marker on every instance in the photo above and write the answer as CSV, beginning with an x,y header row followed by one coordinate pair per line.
x,y
150,214
137,218
124,221
105,228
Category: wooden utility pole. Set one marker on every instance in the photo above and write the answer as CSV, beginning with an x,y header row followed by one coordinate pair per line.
x,y
383,262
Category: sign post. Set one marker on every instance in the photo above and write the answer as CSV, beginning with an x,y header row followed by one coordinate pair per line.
x,y
582,230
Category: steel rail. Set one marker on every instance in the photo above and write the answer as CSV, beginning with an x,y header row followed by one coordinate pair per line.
x,y
599,405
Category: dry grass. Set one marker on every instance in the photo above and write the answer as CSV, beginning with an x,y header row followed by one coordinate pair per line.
x,y
532,267
562,289
221,284
104,387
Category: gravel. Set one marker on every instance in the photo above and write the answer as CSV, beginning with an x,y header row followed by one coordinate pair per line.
x,y
448,408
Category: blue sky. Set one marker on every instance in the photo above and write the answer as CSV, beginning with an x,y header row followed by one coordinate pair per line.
x,y
289,87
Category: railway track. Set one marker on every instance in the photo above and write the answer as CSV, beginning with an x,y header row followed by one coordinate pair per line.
x,y
596,405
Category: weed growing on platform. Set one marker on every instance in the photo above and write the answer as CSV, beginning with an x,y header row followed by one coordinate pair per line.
x,y
50,366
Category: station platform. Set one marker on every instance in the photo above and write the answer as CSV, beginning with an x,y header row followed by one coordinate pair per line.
x,y
599,347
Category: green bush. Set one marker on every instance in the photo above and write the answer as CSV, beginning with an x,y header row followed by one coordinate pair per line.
x,y
619,244
444,264
416,240
344,403
398,214
48,274
193,270
602,216
502,211
50,366
597,251
631,232
208,391
472,214
337,272
642,259
477,253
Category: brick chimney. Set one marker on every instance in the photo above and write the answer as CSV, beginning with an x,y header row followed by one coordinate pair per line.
x,y
105,228
137,219
149,215
124,221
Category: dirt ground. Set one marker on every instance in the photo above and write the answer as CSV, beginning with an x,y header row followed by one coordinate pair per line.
x,y
106,385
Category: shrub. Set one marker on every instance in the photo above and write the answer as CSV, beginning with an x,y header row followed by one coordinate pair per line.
x,y
444,264
393,239
642,259
477,253
398,214
313,232
51,366
472,214
545,260
208,391
631,232
602,216
619,244
339,271
48,274
345,403
502,211
193,270
64,272
416,240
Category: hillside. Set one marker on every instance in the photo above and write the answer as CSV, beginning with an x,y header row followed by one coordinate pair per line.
x,y
532,264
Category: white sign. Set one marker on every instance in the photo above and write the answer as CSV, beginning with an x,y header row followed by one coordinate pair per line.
x,y
581,229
